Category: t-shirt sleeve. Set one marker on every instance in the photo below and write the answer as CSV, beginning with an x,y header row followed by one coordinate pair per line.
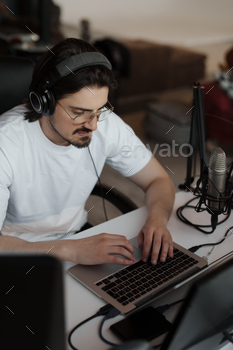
x,y
125,152
5,182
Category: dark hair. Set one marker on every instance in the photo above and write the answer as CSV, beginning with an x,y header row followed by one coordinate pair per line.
x,y
96,75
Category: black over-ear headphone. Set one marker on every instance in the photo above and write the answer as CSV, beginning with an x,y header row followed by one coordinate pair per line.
x,y
42,99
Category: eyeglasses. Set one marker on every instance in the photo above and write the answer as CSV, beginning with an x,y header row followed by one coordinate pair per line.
x,y
100,115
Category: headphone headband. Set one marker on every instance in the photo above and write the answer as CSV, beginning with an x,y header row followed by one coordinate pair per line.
x,y
70,65
41,98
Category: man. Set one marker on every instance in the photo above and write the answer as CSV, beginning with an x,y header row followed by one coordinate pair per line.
x,y
51,152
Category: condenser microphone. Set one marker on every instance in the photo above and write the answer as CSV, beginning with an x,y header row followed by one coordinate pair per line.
x,y
214,191
217,172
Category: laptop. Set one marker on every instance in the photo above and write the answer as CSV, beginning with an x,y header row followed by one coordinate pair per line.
x,y
128,288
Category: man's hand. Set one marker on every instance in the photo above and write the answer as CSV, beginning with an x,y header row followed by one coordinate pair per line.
x,y
92,250
159,199
152,237
100,249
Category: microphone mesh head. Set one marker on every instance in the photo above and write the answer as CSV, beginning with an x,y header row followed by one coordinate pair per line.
x,y
218,160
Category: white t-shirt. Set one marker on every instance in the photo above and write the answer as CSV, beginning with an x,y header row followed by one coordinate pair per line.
x,y
44,186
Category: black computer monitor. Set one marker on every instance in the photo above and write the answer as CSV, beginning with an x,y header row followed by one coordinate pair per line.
x,y
205,320
31,302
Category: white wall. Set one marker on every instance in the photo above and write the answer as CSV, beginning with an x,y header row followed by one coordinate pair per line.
x,y
184,22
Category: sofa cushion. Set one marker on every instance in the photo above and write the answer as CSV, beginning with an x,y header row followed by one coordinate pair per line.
x,y
168,121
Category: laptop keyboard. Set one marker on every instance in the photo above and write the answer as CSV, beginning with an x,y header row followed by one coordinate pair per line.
x,y
134,281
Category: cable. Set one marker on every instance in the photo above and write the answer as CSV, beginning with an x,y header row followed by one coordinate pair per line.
x,y
225,237
198,227
74,329
112,313
101,188
196,247
102,311
166,307
209,253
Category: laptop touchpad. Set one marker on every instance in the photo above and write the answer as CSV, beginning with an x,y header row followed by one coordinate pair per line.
x,y
137,252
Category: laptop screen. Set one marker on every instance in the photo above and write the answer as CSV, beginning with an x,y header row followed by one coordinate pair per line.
x,y
205,320
31,302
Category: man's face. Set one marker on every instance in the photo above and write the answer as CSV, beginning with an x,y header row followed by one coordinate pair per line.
x,y
65,131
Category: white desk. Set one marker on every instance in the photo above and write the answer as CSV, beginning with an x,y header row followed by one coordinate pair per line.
x,y
80,303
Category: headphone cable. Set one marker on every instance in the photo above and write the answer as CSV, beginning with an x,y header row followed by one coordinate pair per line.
x,y
101,188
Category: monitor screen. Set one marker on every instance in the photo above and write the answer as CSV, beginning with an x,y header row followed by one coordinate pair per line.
x,y
31,302
205,320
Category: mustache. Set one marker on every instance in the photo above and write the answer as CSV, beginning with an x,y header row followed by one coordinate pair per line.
x,y
81,130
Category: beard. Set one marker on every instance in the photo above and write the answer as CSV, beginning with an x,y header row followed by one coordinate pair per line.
x,y
81,143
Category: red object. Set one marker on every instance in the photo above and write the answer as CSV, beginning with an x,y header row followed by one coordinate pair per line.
x,y
217,103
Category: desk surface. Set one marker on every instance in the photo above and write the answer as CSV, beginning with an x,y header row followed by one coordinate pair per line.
x,y
80,303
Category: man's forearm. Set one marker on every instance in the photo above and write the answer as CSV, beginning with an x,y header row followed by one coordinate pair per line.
x,y
159,199
14,244
97,249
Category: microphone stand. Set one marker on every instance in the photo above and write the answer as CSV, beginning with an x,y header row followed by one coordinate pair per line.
x,y
197,141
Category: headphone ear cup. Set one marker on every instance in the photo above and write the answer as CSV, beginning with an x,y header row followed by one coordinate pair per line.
x,y
36,101
51,103
47,103
42,104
